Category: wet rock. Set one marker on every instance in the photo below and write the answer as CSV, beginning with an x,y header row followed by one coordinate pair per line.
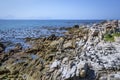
x,y
52,37
18,46
2,47
28,39
76,26
3,58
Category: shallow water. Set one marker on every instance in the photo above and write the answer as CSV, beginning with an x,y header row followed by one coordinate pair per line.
x,y
36,28
14,31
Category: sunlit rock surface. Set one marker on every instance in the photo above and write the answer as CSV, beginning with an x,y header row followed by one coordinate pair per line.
x,y
81,54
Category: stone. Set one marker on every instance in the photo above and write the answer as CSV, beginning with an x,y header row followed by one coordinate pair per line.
x,y
103,78
4,71
14,72
76,26
18,46
2,47
79,55
82,73
31,50
68,45
72,71
50,57
55,64
54,43
52,37
117,39
65,60
95,33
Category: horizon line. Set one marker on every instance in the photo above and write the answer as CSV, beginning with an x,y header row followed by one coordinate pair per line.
x,y
59,19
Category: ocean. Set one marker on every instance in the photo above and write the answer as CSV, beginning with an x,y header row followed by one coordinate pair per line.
x,y
14,31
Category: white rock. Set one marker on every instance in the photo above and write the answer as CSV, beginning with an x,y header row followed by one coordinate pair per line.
x,y
72,71
64,72
55,64
65,60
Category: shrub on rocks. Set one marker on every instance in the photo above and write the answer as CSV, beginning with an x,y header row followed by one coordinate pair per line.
x,y
109,37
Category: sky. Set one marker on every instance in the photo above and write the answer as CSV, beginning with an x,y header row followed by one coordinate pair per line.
x,y
59,9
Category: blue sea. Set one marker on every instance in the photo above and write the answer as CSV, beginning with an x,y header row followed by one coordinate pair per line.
x,y
15,31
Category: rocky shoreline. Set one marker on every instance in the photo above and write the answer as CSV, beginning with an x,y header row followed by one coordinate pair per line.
x,y
83,53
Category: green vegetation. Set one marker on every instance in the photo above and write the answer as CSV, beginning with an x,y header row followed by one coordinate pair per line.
x,y
110,37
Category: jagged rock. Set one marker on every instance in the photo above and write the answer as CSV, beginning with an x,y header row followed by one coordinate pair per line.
x,y
76,26
64,60
52,37
69,45
50,57
2,47
4,71
79,55
14,72
95,33
55,64
31,50
54,43
18,46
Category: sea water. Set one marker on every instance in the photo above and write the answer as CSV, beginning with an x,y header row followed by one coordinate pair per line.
x,y
14,31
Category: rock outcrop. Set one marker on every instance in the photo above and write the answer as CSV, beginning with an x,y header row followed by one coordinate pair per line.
x,y
2,47
93,58
81,54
